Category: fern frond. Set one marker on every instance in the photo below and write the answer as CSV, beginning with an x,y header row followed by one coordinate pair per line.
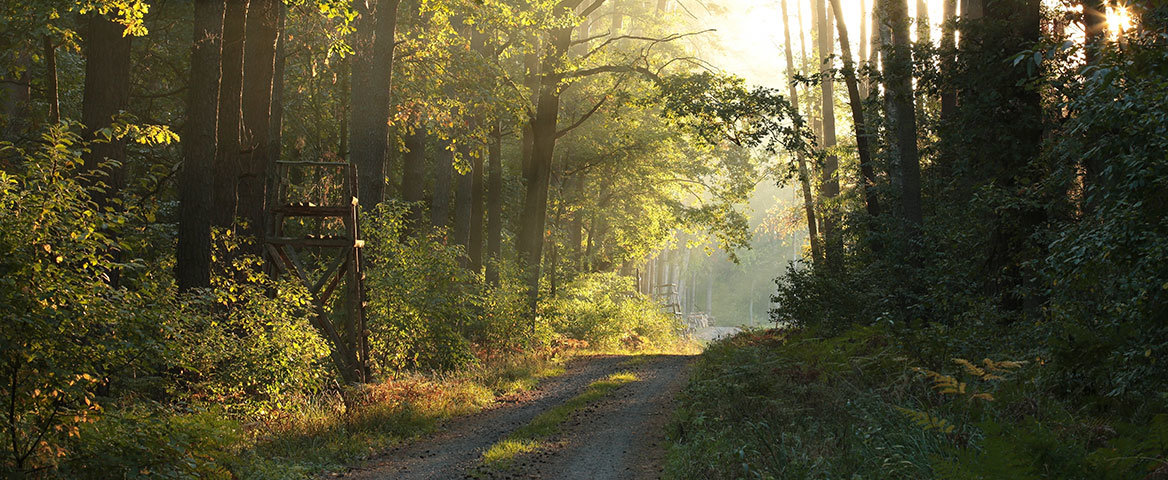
x,y
927,420
970,368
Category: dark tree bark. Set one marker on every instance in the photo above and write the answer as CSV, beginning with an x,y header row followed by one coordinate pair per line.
x,y
865,45
863,146
494,203
948,59
15,93
462,203
1094,24
263,18
413,177
107,91
275,131
832,240
193,255
228,160
529,241
804,173
440,201
898,87
372,84
475,249
52,92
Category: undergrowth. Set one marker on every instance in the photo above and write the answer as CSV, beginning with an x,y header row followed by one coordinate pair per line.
x,y
794,405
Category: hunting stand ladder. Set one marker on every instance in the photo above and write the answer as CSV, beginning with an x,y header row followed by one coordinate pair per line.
x,y
339,252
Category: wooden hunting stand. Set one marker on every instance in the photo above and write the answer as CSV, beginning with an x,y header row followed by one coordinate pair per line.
x,y
347,335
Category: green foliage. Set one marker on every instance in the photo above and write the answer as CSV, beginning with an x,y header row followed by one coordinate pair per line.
x,y
139,443
604,310
428,308
242,347
67,332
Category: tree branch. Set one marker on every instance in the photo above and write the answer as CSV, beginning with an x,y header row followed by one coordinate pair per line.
x,y
583,118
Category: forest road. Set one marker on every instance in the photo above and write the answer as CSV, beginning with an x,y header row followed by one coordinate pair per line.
x,y
621,436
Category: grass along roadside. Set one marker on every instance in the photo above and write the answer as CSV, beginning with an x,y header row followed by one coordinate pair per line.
x,y
331,432
532,437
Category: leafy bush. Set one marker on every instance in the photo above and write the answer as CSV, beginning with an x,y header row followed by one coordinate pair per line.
x,y
428,308
68,333
246,344
604,310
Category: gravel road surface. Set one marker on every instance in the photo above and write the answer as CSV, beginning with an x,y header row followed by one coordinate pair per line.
x,y
620,437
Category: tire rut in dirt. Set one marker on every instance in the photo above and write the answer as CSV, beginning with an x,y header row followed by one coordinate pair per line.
x,y
454,451
620,437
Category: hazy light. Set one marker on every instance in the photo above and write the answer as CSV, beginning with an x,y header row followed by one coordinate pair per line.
x,y
1119,20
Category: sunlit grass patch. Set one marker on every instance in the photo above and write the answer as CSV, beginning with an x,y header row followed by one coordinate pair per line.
x,y
332,431
508,449
530,437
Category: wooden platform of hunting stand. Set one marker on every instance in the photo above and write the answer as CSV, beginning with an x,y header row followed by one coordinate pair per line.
x,y
347,337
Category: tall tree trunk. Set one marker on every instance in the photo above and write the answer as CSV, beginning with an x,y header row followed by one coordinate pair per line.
x,y
370,95
193,255
833,241
15,92
463,184
107,91
864,47
863,146
948,60
477,212
531,79
494,202
804,173
440,202
924,36
1094,24
575,236
52,92
259,63
228,161
413,178
529,241
898,85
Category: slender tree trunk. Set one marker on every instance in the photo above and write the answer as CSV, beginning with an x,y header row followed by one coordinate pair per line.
x,y
477,212
804,174
52,93
531,65
107,92
1094,24
948,61
864,47
440,203
833,241
494,203
463,185
228,161
924,36
193,255
898,85
259,63
413,178
863,146
15,92
370,96
576,224
529,241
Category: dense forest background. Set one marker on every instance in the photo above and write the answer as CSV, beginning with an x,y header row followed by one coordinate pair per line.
x,y
494,183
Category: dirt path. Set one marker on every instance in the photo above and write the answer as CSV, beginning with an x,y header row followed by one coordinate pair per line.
x,y
619,437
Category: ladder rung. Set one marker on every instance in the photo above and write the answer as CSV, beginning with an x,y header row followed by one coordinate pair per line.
x,y
317,242
314,210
